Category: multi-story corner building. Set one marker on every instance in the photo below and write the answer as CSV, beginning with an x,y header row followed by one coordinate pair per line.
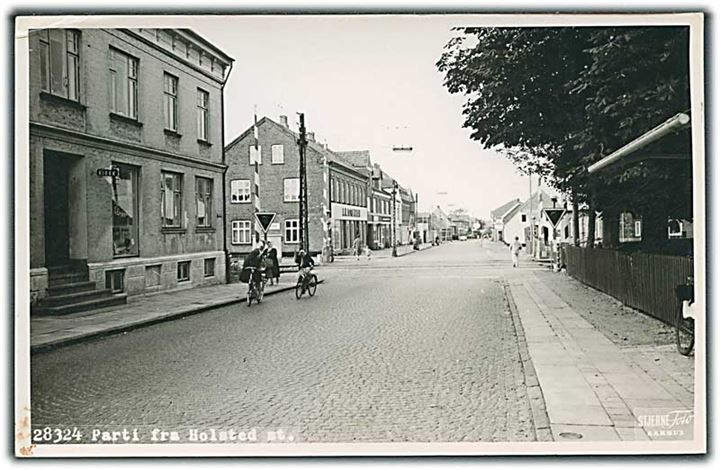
x,y
126,159
278,158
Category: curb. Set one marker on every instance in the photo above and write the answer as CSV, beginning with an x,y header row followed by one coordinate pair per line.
x,y
81,338
541,420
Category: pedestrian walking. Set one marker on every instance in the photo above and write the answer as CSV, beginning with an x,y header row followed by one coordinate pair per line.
x,y
367,252
515,248
356,248
273,265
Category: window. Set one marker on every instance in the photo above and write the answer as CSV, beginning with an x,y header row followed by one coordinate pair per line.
x,y
255,154
170,101
183,271
204,194
203,101
209,267
115,280
171,199
123,84
638,228
278,154
333,190
292,189
292,231
60,62
239,191
523,217
241,232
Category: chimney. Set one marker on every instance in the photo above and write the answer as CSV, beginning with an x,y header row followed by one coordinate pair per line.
x,y
311,137
284,121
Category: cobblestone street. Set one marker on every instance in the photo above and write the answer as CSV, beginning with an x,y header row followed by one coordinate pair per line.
x,y
418,348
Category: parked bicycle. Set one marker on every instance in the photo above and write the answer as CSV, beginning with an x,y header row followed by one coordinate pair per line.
x,y
685,317
256,285
307,282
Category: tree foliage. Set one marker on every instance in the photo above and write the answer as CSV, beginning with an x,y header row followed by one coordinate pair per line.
x,y
557,99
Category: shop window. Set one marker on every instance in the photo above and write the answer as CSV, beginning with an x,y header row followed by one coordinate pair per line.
x,y
115,280
125,230
183,271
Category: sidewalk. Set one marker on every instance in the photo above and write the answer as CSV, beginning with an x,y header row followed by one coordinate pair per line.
x,y
48,332
385,253
599,381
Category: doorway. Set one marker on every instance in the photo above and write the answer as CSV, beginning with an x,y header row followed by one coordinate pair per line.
x,y
56,170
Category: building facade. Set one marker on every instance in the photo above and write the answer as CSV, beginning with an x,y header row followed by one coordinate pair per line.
x,y
348,203
278,158
126,159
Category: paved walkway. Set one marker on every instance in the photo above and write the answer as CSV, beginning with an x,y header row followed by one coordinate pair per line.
x,y
384,254
594,389
47,332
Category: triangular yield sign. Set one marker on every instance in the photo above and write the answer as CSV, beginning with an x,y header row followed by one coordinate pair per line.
x,y
554,215
265,219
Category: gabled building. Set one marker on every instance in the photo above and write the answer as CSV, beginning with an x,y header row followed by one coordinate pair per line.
x,y
126,163
278,158
500,217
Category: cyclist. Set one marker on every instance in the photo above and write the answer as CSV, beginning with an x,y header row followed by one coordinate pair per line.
x,y
253,260
305,264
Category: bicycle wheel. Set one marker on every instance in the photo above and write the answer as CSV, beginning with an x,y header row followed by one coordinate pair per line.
x,y
312,285
684,332
249,295
299,289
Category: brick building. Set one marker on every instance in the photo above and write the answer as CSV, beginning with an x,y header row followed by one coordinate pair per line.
x,y
279,188
126,161
349,202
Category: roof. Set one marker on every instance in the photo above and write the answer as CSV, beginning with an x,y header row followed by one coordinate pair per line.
x,y
503,210
358,158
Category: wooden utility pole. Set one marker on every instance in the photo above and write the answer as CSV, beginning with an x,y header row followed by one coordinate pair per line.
x,y
302,143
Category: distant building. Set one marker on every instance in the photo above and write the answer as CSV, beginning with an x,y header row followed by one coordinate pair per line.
x,y
500,217
126,162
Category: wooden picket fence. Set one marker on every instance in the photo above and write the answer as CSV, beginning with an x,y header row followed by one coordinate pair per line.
x,y
640,280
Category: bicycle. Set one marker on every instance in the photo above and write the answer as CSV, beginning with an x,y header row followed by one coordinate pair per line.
x,y
306,283
256,287
685,317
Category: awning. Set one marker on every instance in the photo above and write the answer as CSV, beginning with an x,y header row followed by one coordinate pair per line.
x,y
675,123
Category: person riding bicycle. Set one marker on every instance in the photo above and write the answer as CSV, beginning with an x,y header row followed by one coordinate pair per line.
x,y
305,263
253,260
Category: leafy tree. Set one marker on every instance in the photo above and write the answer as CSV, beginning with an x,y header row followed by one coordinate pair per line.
x,y
557,99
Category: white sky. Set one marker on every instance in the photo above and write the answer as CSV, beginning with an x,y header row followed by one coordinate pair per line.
x,y
365,83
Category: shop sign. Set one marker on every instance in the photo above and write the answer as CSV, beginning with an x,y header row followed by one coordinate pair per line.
x,y
113,172
345,212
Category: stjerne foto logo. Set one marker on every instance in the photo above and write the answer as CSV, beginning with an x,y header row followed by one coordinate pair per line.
x,y
667,425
